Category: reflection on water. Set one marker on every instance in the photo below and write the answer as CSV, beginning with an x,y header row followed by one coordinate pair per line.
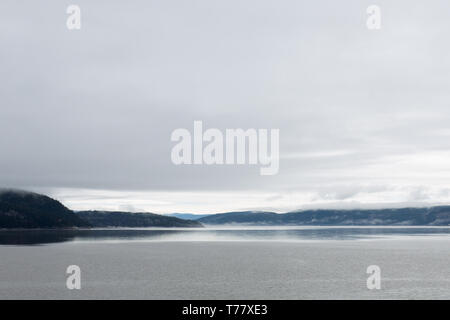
x,y
36,237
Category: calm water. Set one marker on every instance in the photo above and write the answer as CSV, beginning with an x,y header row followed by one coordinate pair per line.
x,y
227,263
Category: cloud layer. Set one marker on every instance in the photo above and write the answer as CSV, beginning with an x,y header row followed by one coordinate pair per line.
x,y
363,115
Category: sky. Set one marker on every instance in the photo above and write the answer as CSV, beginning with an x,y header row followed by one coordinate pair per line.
x,y
86,115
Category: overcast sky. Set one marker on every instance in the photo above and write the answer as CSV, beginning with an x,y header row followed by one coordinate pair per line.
x,y
364,116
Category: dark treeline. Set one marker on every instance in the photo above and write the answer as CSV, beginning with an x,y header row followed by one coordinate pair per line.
x,y
22,209
432,216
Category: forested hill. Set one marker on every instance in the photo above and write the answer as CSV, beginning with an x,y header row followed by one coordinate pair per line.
x,y
22,209
431,216
127,219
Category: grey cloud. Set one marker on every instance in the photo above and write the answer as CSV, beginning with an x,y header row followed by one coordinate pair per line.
x,y
95,108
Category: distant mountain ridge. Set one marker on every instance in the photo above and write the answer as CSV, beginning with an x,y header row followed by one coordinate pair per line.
x,y
431,216
186,216
132,220
22,209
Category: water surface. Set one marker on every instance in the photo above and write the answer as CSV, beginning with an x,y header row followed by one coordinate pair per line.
x,y
307,233
227,263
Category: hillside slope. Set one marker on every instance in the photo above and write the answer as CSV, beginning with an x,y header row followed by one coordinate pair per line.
x,y
21,209
128,219
432,216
